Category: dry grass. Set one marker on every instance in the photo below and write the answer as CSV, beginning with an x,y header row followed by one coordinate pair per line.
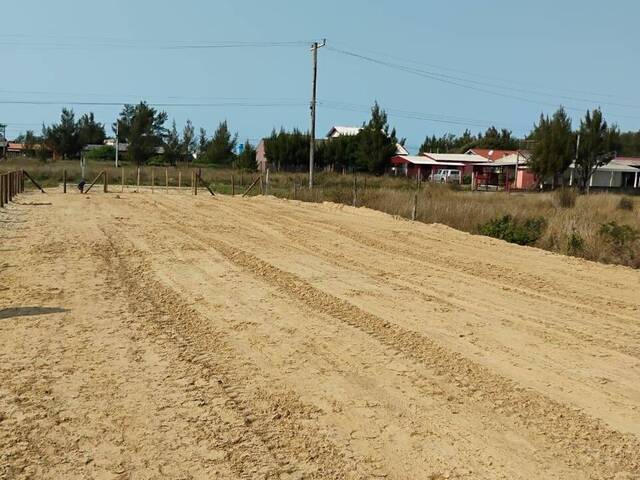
x,y
572,222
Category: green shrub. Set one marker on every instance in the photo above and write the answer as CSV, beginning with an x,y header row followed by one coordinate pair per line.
x,y
625,203
105,152
511,230
575,244
566,197
466,180
619,235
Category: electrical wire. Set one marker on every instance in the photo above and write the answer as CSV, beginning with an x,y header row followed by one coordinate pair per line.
x,y
472,84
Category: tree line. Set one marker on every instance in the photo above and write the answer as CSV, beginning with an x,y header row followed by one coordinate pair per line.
x,y
143,130
369,150
553,143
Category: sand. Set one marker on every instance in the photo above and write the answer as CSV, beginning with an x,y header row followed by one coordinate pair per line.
x,y
148,336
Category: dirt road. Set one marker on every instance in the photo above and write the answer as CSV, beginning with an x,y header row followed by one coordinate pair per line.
x,y
170,336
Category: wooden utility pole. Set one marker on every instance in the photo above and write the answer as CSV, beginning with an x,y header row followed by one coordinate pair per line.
x,y
312,146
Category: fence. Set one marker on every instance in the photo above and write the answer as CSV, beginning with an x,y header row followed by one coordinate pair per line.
x,y
11,184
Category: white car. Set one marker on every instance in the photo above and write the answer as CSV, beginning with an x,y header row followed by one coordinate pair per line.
x,y
447,176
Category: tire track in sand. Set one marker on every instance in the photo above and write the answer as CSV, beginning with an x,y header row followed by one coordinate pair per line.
x,y
574,433
278,426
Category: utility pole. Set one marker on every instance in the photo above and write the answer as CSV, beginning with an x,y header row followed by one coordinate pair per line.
x,y
117,141
312,146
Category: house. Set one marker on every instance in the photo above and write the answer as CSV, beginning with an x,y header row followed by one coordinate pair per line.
x,y
425,165
509,171
339,131
491,154
261,157
621,172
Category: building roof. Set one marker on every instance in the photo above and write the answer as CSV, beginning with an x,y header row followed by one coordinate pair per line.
x,y
629,161
463,158
510,160
491,154
613,166
338,131
422,160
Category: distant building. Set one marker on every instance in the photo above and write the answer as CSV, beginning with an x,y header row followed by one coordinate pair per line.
x,y
261,157
340,131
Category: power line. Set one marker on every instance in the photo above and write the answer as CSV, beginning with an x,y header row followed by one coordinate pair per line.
x,y
543,90
471,84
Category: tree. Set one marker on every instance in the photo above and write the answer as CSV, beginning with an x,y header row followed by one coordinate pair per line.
x,y
598,142
288,150
630,144
189,140
496,139
554,145
203,141
376,145
247,159
142,127
449,143
341,152
90,132
172,145
62,138
220,147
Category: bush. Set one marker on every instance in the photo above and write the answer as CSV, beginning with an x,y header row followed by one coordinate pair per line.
x,y
466,180
509,229
105,152
619,235
575,244
625,203
566,197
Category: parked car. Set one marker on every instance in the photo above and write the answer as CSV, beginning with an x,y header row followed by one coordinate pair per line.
x,y
447,176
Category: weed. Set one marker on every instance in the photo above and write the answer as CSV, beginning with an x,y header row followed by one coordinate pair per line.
x,y
566,197
625,203
509,229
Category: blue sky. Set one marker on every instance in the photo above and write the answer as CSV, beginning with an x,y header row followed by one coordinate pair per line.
x,y
532,56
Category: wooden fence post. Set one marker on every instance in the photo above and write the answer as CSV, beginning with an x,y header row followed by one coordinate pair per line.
x,y
153,178
355,190
122,179
1,191
166,179
138,181
179,180
266,183
64,181
414,210
106,181
233,186
195,183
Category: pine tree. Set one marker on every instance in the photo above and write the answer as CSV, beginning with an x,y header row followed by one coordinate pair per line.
x,y
221,146
62,138
554,147
90,132
173,146
142,127
203,142
247,159
598,142
189,140
376,145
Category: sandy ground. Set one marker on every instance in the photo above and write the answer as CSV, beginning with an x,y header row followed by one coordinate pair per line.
x,y
170,336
